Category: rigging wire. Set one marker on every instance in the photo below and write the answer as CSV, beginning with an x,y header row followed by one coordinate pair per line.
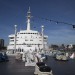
x,y
57,22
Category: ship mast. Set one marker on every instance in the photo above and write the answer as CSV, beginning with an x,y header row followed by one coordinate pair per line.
x,y
28,19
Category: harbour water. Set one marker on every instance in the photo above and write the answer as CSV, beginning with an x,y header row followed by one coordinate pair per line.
x,y
14,67
62,67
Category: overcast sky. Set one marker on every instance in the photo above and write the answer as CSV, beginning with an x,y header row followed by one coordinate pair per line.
x,y
15,11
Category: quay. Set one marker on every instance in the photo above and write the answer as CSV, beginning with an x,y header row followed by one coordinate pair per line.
x,y
14,67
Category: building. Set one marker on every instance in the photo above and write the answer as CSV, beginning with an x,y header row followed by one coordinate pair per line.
x,y
27,40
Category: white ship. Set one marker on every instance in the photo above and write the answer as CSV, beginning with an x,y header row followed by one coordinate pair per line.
x,y
27,40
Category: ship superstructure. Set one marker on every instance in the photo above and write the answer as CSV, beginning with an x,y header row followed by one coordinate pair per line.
x,y
27,40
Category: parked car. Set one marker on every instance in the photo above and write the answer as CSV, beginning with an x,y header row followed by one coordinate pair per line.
x,y
44,57
61,56
3,57
45,70
38,64
42,69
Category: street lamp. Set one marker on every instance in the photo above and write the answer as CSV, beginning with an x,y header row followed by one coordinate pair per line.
x,y
15,38
42,37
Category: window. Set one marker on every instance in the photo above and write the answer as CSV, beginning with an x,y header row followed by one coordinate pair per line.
x,y
29,45
31,40
26,40
11,44
11,40
45,38
22,50
11,37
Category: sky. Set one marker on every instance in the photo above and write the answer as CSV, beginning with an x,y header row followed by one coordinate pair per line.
x,y
14,12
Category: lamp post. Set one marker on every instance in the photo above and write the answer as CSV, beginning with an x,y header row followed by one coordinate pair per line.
x,y
42,37
15,38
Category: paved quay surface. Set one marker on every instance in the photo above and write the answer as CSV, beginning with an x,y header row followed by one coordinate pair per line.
x,y
14,67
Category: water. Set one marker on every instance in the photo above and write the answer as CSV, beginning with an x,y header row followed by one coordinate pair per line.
x,y
62,67
14,67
